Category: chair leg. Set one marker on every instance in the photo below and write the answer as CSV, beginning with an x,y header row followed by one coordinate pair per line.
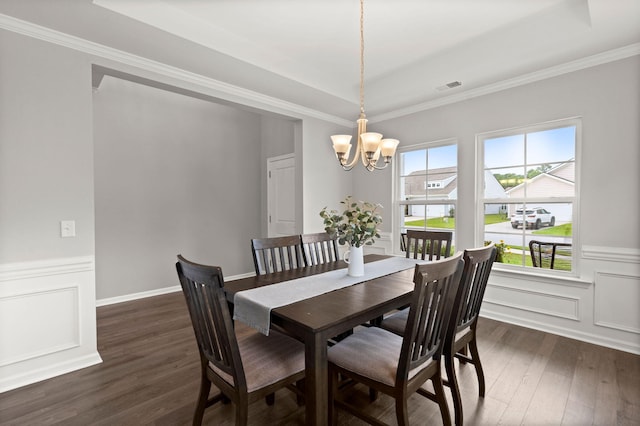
x,y
473,347
373,394
402,414
455,390
333,393
242,412
441,399
300,395
270,399
203,397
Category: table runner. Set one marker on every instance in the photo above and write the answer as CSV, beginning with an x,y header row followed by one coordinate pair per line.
x,y
254,306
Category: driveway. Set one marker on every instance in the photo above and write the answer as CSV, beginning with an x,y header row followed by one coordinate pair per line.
x,y
515,237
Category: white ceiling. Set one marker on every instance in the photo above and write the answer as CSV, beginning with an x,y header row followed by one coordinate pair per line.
x,y
412,47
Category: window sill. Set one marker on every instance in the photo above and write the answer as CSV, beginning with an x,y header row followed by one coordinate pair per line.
x,y
565,278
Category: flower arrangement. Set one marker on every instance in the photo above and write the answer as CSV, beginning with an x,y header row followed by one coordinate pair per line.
x,y
501,249
357,225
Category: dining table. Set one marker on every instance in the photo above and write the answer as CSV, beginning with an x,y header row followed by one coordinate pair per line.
x,y
317,319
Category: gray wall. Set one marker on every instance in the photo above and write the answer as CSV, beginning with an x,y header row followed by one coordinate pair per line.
x,y
144,181
173,174
324,183
607,97
46,154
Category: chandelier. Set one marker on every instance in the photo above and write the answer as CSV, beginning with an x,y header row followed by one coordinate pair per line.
x,y
370,146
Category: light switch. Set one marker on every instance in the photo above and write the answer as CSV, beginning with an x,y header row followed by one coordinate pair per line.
x,y
67,228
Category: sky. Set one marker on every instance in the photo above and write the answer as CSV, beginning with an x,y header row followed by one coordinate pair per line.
x,y
543,147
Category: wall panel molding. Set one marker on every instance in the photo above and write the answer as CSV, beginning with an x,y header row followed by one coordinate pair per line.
x,y
32,337
43,268
614,307
548,304
48,318
611,254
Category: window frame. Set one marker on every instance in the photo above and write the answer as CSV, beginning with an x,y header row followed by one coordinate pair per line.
x,y
398,220
531,202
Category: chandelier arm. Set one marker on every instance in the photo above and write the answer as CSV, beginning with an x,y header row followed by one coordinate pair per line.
x,y
355,158
347,168
375,166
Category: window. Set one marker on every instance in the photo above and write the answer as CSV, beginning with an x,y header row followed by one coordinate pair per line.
x,y
528,192
426,191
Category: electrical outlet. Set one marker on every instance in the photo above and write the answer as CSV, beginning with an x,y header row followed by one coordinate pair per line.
x,y
67,228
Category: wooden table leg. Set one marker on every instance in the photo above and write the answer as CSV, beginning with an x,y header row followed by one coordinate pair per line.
x,y
317,390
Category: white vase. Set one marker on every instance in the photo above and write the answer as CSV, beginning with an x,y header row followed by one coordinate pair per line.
x,y
354,258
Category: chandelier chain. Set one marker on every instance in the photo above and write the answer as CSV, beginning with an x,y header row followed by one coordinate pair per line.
x,y
362,57
369,145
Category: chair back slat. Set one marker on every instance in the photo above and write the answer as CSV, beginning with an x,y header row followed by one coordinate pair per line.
x,y
212,324
403,241
436,284
277,254
428,245
319,248
543,253
477,268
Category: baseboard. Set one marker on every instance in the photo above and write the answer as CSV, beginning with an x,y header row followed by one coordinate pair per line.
x,y
156,292
18,380
624,346
136,296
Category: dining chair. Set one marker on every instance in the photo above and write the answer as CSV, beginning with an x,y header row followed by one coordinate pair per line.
x,y
428,245
319,248
424,245
543,253
461,332
277,254
244,367
399,365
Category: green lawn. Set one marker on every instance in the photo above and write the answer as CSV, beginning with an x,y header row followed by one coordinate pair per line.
x,y
509,258
450,222
564,230
561,263
560,230
490,219
436,222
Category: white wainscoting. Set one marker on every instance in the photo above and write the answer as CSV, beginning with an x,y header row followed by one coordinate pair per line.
x,y
47,319
601,306
382,245
617,299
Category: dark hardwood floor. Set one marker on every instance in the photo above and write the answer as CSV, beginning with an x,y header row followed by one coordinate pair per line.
x,y
150,375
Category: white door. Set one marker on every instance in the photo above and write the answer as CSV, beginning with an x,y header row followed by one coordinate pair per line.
x,y
281,189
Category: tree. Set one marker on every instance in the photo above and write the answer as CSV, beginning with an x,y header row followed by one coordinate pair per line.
x,y
543,168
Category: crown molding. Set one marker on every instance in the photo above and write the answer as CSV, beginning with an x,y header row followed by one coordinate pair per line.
x,y
577,65
251,98
223,90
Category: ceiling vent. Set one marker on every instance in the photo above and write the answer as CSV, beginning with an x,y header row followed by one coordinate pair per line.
x,y
448,86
